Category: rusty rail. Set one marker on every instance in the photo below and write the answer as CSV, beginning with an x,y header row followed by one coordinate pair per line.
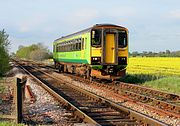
x,y
141,118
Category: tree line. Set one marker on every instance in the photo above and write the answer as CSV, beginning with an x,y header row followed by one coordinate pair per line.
x,y
166,53
34,52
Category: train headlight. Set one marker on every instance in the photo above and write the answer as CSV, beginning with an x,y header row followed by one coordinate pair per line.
x,y
96,60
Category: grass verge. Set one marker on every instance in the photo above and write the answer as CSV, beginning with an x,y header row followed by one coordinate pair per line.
x,y
168,84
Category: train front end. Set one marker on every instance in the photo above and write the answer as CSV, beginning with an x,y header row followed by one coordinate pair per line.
x,y
109,50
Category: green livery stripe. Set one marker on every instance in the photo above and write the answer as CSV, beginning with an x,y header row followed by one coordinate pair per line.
x,y
72,60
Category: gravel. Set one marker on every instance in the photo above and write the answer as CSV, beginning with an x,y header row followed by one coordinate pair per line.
x,y
113,97
45,110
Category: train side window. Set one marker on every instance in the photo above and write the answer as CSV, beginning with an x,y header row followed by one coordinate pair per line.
x,y
76,46
82,44
67,48
70,47
79,46
122,39
57,48
85,43
96,37
62,48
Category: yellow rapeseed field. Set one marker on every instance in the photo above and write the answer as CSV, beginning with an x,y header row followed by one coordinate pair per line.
x,y
160,66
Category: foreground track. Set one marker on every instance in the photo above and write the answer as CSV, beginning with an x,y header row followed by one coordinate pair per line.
x,y
160,102
89,107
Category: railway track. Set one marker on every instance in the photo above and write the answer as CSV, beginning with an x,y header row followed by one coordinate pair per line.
x,y
158,101
89,107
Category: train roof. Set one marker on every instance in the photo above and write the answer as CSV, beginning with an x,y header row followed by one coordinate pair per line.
x,y
88,29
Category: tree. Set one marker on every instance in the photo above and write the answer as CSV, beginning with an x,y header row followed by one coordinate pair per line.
x,y
39,55
134,54
34,52
4,56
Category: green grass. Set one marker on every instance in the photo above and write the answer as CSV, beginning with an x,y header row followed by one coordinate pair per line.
x,y
138,78
9,124
168,84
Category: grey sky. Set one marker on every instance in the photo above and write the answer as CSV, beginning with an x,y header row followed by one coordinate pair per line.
x,y
154,25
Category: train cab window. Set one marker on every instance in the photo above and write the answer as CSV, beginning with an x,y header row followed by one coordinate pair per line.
x,y
96,37
122,39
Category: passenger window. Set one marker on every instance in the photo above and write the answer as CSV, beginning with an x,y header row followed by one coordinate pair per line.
x,y
85,43
79,46
82,43
57,48
76,46
70,47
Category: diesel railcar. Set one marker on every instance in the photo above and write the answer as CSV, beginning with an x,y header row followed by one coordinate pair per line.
x,y
101,50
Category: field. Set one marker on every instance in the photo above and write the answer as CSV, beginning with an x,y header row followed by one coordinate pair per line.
x,y
158,66
157,72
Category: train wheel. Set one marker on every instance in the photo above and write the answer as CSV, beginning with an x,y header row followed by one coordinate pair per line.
x,y
65,69
61,68
73,69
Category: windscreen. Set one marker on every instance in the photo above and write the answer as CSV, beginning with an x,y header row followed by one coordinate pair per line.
x,y
122,39
96,37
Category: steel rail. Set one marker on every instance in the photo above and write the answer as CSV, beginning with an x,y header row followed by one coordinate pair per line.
x,y
75,110
134,115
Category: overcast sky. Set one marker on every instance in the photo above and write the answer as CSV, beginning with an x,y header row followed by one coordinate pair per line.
x,y
154,25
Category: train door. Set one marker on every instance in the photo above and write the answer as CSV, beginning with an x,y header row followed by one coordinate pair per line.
x,y
110,48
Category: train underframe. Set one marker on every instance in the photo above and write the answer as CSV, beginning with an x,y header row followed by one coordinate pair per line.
x,y
90,71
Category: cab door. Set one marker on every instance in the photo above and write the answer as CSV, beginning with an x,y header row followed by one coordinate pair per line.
x,y
110,48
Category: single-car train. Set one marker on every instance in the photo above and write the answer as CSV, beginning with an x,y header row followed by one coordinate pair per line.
x,y
98,51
